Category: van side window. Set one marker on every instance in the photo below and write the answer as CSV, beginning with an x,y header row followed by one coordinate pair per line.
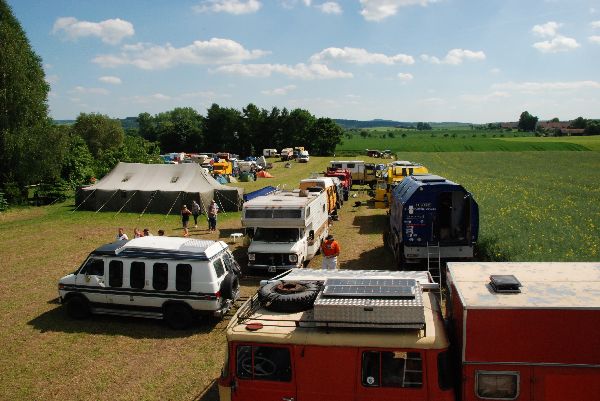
x,y
219,268
137,276
497,385
115,273
94,267
183,277
350,165
263,363
160,276
392,369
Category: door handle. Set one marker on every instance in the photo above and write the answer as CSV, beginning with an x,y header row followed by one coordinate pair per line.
x,y
287,398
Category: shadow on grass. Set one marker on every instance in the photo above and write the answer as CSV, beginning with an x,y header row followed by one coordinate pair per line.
x,y
56,320
210,393
374,259
374,224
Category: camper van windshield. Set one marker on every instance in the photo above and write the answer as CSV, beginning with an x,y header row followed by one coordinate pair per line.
x,y
276,234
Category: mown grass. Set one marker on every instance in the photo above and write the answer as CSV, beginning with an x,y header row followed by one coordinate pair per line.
x,y
534,206
463,141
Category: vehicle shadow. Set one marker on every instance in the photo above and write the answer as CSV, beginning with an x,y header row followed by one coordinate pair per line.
x,y
374,224
379,258
210,393
56,320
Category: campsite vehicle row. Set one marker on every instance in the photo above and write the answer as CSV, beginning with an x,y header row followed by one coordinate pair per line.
x,y
170,278
380,335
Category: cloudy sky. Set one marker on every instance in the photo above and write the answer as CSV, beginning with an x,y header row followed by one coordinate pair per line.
x,y
408,60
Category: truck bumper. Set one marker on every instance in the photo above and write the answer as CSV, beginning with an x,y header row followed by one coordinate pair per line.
x,y
272,268
446,252
224,308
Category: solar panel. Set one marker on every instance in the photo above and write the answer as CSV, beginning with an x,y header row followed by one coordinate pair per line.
x,y
389,288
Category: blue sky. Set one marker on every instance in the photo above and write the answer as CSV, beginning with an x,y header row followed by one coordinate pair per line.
x,y
408,60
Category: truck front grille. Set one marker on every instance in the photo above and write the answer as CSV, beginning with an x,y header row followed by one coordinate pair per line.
x,y
271,259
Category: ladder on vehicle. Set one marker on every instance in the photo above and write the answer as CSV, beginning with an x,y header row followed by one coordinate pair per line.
x,y
415,370
434,263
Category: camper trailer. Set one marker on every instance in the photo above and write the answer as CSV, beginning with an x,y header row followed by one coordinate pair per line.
x,y
286,228
326,184
287,154
369,335
270,153
431,217
362,173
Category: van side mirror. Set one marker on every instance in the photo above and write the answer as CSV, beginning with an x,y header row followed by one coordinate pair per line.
x,y
311,235
250,232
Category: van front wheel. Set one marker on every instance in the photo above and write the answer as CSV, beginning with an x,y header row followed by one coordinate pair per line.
x,y
78,307
178,317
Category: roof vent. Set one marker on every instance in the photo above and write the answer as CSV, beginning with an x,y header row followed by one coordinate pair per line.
x,y
505,283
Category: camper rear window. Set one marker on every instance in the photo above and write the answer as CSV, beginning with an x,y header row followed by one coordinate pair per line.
x,y
263,363
392,369
497,385
273,213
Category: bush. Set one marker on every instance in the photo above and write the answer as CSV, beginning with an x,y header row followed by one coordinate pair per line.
x,y
46,194
3,202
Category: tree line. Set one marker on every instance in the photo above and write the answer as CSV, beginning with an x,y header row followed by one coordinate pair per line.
x,y
245,132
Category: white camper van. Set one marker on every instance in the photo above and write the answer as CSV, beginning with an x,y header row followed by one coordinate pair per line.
x,y
286,228
170,278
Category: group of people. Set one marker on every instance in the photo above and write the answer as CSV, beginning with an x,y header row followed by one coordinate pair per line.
x,y
137,233
211,213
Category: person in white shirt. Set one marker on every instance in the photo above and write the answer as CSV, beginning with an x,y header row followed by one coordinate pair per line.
x,y
121,236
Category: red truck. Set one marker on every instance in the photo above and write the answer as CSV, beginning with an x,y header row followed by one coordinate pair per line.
x,y
513,331
345,177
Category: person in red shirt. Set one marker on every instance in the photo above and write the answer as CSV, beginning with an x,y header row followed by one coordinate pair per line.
x,y
331,250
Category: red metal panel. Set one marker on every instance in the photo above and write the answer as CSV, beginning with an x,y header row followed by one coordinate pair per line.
x,y
560,383
533,335
325,373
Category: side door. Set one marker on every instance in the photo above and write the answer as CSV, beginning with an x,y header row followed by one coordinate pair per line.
x,y
91,280
263,372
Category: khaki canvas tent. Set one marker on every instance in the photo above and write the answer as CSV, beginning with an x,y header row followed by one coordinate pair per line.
x,y
157,188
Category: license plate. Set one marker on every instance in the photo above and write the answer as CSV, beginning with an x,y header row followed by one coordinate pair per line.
x,y
272,269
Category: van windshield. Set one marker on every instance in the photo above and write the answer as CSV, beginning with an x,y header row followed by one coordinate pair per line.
x,y
276,234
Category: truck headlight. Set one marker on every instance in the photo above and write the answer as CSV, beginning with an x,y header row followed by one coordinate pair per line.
x,y
293,258
251,256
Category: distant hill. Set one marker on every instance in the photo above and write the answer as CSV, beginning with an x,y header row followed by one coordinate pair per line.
x,y
126,123
358,124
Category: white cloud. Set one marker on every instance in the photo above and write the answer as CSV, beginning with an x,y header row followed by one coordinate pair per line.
x,y
595,24
358,56
153,57
558,44
547,30
455,57
301,71
377,10
330,7
405,76
110,80
235,7
91,91
432,101
536,87
594,39
279,91
110,31
495,71
52,79
143,99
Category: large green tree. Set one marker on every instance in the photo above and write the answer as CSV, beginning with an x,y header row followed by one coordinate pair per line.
x,y
28,145
100,132
527,122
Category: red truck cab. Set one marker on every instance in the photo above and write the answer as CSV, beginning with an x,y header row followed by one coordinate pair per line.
x,y
345,177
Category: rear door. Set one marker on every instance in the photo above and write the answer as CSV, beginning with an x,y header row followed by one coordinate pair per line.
x,y
263,372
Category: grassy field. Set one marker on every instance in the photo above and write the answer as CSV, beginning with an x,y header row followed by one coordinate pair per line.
x,y
463,141
533,205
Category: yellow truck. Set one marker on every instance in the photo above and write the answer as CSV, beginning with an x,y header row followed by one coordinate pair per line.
x,y
391,177
222,167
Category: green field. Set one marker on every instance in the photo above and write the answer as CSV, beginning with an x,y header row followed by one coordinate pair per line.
x,y
534,206
463,141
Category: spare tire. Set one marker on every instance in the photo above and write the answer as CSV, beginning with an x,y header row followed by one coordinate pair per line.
x,y
289,296
229,286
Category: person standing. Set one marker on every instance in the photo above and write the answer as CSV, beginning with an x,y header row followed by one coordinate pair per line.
x,y
147,233
331,250
185,216
195,212
137,233
121,236
213,209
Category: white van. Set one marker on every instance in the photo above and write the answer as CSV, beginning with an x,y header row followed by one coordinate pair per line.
x,y
170,278
303,157
286,228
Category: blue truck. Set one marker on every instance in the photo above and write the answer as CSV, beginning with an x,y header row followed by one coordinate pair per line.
x,y
431,216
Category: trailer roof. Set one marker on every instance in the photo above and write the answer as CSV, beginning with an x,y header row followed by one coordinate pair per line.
x,y
300,328
545,285
163,247
282,199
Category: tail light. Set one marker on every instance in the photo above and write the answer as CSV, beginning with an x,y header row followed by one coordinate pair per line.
x,y
61,286
218,294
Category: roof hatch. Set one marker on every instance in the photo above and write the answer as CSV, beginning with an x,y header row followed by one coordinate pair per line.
x,y
505,283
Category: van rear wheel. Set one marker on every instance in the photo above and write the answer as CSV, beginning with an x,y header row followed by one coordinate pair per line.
x,y
178,317
78,307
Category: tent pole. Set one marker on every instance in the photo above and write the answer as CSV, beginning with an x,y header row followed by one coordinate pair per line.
x,y
173,205
107,201
126,202
86,198
148,204
221,205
